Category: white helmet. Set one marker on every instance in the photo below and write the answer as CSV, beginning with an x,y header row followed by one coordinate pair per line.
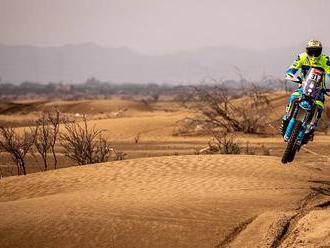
x,y
314,48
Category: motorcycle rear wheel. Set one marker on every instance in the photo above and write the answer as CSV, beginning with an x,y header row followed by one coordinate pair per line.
x,y
291,148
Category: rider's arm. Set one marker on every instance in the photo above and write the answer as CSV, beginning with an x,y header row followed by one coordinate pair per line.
x,y
297,64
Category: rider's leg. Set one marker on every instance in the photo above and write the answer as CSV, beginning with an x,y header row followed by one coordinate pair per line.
x,y
320,103
285,119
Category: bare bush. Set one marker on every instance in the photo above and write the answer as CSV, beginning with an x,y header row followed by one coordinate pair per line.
x,y
223,143
17,145
119,155
42,139
84,145
54,119
226,143
217,108
46,134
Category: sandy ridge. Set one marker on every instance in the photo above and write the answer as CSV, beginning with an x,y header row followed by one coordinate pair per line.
x,y
308,226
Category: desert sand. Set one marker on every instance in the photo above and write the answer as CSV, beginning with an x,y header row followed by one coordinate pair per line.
x,y
156,199
181,201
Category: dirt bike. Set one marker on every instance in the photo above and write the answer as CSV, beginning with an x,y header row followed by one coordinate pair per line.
x,y
303,112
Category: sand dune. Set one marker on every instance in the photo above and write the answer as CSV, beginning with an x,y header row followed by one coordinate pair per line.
x,y
7,107
182,201
24,112
97,106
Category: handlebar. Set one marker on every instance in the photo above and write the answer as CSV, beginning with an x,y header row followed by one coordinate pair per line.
x,y
299,80
293,78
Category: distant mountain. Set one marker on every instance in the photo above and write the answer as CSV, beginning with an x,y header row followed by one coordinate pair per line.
x,y
75,63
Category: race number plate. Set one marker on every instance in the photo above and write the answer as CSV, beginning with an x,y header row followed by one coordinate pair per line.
x,y
315,75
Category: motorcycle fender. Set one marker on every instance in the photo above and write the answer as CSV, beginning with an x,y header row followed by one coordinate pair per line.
x,y
305,105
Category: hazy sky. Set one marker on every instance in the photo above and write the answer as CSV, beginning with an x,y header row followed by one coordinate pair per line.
x,y
161,26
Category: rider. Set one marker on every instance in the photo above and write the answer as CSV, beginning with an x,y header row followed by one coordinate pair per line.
x,y
313,57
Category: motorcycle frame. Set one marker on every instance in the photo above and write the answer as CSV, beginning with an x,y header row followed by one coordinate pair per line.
x,y
307,117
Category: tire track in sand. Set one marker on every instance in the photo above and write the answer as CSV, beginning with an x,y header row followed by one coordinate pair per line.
x,y
286,230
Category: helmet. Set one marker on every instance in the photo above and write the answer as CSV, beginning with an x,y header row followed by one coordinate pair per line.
x,y
314,48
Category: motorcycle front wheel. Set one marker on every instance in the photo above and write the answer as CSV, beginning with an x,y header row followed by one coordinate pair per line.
x,y
291,148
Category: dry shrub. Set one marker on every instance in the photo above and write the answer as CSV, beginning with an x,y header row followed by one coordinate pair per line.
x,y
216,108
85,145
17,145
46,135
223,143
119,155
54,119
226,143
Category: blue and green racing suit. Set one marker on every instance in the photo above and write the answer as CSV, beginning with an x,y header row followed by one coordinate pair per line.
x,y
304,63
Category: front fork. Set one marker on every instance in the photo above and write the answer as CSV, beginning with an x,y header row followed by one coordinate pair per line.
x,y
288,116
292,114
289,129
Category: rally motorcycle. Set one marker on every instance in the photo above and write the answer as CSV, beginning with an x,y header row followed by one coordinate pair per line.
x,y
303,112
